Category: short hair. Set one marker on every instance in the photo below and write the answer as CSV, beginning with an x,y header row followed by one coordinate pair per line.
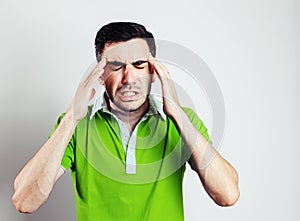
x,y
115,32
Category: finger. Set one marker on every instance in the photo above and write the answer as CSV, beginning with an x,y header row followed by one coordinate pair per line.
x,y
159,68
101,64
152,62
96,72
99,68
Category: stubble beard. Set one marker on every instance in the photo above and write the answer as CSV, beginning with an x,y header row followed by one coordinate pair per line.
x,y
123,107
126,106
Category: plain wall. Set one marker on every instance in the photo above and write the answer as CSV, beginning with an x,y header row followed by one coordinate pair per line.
x,y
252,47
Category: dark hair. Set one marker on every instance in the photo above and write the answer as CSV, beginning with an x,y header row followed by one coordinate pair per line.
x,y
120,32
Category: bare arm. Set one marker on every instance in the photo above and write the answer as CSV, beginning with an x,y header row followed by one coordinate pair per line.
x,y
218,177
35,181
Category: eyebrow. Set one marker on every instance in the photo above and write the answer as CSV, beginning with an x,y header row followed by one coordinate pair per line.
x,y
120,63
139,62
116,63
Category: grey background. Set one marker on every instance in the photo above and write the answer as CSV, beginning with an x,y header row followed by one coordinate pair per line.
x,y
252,47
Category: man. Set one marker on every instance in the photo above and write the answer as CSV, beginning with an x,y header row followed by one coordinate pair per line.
x,y
127,152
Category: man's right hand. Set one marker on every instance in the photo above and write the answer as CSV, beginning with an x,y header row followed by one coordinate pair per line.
x,y
84,93
35,181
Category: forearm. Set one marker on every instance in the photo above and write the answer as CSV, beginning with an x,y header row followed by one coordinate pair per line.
x,y
35,181
219,178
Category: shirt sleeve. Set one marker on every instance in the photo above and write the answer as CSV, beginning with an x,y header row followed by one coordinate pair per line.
x,y
68,158
199,125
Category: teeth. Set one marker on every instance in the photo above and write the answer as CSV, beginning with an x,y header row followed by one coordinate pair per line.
x,y
129,93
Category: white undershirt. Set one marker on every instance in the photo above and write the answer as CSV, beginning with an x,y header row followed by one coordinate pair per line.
x,y
129,142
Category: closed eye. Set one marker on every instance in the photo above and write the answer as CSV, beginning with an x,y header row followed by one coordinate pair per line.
x,y
116,68
115,65
140,64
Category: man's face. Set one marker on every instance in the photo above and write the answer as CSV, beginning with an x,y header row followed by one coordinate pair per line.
x,y
127,78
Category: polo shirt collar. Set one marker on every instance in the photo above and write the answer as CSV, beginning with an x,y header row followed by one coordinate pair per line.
x,y
155,106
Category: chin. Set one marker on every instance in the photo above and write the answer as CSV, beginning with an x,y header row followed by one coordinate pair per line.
x,y
131,106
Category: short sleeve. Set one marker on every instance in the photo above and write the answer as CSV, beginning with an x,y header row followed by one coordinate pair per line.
x,y
198,123
68,158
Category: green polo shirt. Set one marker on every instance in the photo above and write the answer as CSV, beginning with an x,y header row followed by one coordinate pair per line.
x,y
103,189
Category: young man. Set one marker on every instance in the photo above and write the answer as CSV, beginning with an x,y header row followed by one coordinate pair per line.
x,y
127,152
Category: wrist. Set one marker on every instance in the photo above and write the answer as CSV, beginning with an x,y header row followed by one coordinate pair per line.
x,y
70,119
174,111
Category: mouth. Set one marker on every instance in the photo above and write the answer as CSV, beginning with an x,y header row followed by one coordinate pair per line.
x,y
128,95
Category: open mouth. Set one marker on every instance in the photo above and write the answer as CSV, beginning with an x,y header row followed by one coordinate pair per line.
x,y
128,95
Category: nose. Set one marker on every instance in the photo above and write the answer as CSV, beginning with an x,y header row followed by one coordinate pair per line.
x,y
128,77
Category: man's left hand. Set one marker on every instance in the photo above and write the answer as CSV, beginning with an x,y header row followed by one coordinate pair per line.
x,y
170,99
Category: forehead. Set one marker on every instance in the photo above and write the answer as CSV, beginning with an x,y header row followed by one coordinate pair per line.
x,y
126,51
